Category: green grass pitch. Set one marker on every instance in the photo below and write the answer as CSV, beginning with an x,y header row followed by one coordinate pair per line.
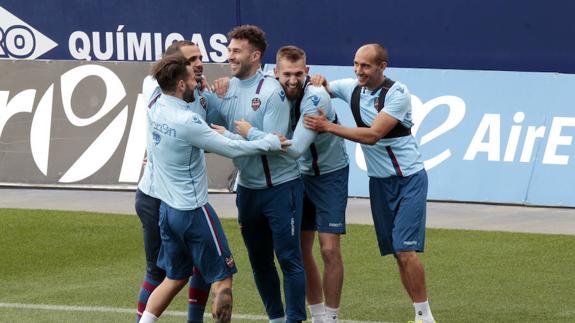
x,y
97,261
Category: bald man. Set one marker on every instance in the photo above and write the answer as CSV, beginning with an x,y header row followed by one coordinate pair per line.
x,y
397,179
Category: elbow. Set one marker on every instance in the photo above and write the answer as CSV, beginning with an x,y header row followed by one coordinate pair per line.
x,y
370,140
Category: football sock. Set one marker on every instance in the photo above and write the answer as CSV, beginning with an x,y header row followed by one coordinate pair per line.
x,y
148,286
422,311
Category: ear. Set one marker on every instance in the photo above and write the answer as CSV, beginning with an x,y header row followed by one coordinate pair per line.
x,y
256,55
383,65
181,85
276,72
307,70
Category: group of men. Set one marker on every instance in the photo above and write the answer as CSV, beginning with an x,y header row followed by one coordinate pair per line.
x,y
286,190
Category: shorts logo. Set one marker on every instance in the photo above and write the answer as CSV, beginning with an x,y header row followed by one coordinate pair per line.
x,y
230,262
256,104
315,100
156,137
335,225
203,102
410,243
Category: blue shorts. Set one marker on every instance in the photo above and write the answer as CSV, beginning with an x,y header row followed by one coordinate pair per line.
x,y
194,238
324,202
398,206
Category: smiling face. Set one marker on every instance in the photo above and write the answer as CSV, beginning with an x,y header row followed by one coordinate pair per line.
x,y
243,58
292,76
367,68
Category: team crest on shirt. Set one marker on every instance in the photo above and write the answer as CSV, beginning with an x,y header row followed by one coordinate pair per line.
x,y
282,95
230,262
156,137
203,102
256,103
315,100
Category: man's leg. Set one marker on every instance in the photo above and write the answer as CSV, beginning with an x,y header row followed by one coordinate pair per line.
x,y
257,237
222,302
313,284
161,298
333,270
147,209
412,275
198,293
283,210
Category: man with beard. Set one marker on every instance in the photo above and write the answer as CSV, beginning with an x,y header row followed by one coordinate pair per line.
x,y
270,189
148,206
325,168
190,230
397,178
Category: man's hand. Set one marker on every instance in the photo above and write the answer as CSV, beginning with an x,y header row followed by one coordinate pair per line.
x,y
221,86
318,123
284,141
219,129
242,127
320,80
202,84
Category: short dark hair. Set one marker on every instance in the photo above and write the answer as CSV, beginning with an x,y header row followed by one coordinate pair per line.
x,y
169,70
291,53
174,48
253,34
381,54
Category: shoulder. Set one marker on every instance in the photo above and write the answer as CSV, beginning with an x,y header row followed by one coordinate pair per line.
x,y
272,89
344,83
399,91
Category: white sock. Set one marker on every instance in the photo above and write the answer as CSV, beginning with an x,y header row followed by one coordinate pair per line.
x,y
331,314
148,317
278,320
423,311
317,312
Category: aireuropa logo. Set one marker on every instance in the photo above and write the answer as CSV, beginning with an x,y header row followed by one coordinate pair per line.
x,y
19,40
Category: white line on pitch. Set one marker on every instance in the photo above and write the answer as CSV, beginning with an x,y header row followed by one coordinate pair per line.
x,y
71,308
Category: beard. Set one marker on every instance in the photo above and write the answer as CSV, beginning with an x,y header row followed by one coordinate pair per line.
x,y
188,95
293,93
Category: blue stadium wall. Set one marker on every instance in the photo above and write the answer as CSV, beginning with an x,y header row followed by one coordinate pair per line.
x,y
492,82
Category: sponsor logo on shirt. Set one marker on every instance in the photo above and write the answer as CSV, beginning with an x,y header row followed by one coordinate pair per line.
x,y
315,100
256,103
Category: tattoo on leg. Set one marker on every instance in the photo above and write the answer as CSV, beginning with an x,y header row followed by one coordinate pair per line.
x,y
222,306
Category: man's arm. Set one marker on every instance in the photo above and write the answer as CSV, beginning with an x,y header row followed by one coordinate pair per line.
x,y
382,124
204,137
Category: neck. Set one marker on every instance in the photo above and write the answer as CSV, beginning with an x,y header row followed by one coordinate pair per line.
x,y
376,84
253,70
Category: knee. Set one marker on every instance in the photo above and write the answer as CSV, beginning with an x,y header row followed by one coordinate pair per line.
x,y
331,255
405,258
290,264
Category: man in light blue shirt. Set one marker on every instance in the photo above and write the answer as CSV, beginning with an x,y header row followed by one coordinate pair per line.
x,y
398,181
148,207
191,232
270,189
324,164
